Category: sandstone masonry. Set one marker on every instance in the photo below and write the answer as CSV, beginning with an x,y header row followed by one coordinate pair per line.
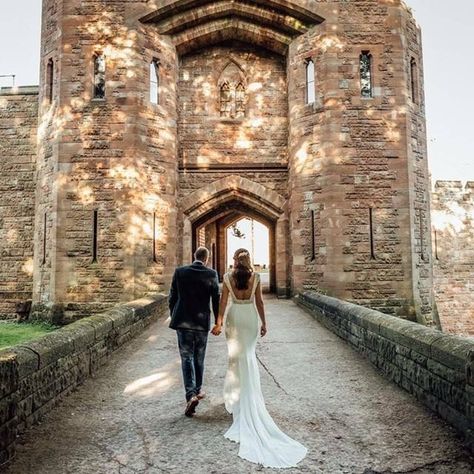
x,y
36,375
453,228
18,134
203,116
436,368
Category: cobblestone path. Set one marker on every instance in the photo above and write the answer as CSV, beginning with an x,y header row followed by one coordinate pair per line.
x,y
129,418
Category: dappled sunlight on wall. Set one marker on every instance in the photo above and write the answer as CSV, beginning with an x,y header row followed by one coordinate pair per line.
x,y
309,111
453,249
107,166
358,169
209,139
18,130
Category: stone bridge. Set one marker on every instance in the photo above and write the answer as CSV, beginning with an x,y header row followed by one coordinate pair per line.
x,y
128,417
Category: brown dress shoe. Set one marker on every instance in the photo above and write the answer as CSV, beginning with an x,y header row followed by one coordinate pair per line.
x,y
201,395
191,406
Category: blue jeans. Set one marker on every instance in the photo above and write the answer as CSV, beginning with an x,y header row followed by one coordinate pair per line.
x,y
192,349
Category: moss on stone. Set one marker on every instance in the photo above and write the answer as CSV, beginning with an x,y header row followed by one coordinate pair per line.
x,y
17,333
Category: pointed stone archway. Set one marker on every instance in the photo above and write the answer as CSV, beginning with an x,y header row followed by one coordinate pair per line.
x,y
227,200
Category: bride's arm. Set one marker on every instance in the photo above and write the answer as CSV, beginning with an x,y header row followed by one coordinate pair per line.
x,y
216,330
260,308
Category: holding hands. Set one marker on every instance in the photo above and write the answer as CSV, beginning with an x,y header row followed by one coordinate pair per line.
x,y
217,329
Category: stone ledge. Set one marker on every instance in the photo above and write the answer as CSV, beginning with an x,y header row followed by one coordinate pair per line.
x,y
19,90
436,368
36,375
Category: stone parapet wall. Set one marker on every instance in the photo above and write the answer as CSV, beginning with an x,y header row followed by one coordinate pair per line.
x,y
18,130
36,375
438,369
453,241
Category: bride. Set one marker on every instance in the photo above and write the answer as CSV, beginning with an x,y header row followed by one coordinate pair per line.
x,y
261,441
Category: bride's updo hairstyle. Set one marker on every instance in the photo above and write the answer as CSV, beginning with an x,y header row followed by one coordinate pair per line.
x,y
243,269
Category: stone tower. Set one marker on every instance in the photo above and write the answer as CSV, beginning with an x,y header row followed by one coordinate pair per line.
x,y
161,123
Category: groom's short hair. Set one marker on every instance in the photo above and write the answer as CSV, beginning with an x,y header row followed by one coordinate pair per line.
x,y
201,254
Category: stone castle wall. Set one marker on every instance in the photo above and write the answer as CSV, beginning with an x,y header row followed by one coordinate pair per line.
x,y
214,146
113,156
208,139
18,134
453,241
323,168
349,155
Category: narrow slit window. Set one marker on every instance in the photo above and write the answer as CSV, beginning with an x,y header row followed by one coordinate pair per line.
x,y
310,82
422,237
154,237
371,233
95,228
99,76
154,82
414,80
43,261
50,80
436,244
366,79
313,237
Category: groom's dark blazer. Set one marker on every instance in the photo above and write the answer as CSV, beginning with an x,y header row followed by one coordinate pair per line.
x,y
192,289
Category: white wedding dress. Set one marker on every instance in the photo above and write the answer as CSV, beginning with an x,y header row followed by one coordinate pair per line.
x,y
261,441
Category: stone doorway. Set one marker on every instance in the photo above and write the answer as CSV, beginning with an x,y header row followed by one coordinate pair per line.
x,y
212,231
209,211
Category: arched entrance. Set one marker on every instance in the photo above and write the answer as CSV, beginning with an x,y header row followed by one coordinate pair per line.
x,y
209,211
211,231
249,233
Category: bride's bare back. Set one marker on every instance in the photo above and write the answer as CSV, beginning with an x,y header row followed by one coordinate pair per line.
x,y
245,294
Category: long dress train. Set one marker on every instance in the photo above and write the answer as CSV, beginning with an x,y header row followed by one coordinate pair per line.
x,y
261,441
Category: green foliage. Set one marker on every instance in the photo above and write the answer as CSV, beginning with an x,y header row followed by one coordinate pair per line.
x,y
12,333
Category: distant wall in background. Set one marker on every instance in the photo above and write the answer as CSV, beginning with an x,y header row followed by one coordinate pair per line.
x,y
18,132
453,255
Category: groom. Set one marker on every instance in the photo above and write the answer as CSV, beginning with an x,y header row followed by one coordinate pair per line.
x,y
192,289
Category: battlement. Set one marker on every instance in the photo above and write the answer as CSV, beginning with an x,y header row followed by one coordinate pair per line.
x,y
440,186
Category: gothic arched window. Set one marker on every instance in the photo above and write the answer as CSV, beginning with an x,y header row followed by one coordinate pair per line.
x,y
233,93
99,76
240,100
365,65
414,80
226,101
310,82
50,80
154,82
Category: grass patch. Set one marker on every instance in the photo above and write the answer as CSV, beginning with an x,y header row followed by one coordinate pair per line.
x,y
12,333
